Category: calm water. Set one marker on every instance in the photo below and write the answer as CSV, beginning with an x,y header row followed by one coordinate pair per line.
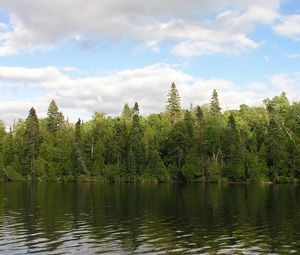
x,y
156,219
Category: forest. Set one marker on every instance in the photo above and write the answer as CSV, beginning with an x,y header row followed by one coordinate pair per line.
x,y
201,144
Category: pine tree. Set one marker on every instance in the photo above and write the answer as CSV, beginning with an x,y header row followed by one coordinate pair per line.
x,y
189,125
77,135
55,119
135,110
31,143
136,134
173,104
127,112
233,152
199,117
214,104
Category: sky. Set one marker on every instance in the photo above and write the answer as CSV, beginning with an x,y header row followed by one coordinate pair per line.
x,y
95,55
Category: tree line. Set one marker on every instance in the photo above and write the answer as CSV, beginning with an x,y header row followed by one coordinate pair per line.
x,y
200,144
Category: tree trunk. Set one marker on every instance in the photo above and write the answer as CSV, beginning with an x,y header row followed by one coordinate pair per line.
x,y
80,159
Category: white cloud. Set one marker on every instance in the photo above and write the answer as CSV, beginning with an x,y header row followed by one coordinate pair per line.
x,y
71,69
81,97
289,26
288,83
234,45
41,24
153,46
32,75
11,110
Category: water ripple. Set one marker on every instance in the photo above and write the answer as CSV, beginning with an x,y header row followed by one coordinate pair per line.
x,y
104,219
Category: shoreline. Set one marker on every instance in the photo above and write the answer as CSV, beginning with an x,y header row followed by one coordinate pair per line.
x,y
148,182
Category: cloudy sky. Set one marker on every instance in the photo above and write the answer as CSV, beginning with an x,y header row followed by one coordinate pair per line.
x,y
94,55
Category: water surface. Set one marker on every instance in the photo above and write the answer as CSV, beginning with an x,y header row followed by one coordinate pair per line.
x,y
148,218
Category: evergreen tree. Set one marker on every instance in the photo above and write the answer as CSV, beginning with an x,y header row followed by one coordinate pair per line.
x,y
31,143
77,135
173,104
199,117
214,104
136,134
256,143
234,168
175,149
127,112
189,125
55,119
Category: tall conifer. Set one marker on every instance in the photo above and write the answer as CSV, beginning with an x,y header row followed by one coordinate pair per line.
x,y
173,104
55,118
214,103
31,142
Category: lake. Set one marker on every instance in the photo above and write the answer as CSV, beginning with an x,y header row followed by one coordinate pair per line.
x,y
89,218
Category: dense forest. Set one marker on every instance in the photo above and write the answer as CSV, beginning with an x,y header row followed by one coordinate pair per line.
x,y
199,144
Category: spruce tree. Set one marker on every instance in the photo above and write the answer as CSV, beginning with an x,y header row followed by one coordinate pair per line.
x,y
127,112
173,104
77,135
199,117
215,108
31,143
234,169
55,118
189,125
136,135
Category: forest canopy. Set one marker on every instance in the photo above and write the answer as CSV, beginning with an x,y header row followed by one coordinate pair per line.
x,y
199,144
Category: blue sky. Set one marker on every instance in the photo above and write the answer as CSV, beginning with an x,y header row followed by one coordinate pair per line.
x,y
96,55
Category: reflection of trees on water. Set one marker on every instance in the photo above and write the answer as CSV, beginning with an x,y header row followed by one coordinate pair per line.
x,y
129,217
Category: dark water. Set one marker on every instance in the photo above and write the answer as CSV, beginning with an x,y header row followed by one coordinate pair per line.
x,y
156,219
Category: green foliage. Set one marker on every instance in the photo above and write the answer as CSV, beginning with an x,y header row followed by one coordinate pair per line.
x,y
200,144
127,112
156,166
215,108
12,175
55,119
83,178
173,104
31,143
234,169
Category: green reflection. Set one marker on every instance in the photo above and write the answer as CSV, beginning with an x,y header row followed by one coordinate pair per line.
x,y
140,218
